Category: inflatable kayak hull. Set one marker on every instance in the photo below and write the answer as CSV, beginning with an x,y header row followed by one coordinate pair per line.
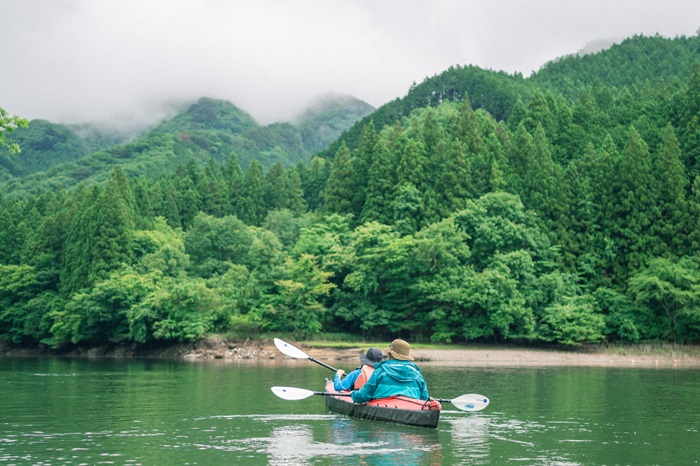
x,y
396,409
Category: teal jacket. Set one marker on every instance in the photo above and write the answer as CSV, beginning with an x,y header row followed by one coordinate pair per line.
x,y
393,377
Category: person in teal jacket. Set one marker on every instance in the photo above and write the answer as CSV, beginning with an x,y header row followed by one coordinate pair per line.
x,y
398,375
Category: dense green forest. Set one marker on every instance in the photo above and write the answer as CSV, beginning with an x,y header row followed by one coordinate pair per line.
x,y
560,208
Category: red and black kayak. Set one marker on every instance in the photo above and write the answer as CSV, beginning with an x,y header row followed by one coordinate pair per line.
x,y
396,409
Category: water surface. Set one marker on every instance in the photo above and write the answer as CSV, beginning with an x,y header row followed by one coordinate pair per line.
x,y
70,412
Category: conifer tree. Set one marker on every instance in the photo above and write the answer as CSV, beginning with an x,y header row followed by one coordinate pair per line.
x,y
433,138
689,125
253,209
99,235
672,184
411,165
380,187
634,211
276,187
295,201
453,185
234,177
568,140
337,197
468,131
540,112
520,156
144,204
211,189
186,196
517,115
407,209
113,227
361,163
313,179
170,209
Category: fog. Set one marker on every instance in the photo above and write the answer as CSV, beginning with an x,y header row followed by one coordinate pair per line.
x,y
134,61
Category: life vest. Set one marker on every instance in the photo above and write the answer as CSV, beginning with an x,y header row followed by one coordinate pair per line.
x,y
365,374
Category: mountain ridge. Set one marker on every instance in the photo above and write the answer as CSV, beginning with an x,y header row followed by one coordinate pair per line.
x,y
207,128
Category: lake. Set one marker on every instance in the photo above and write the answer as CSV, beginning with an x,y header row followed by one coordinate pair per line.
x,y
129,412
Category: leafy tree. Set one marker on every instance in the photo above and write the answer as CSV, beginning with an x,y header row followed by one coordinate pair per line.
x,y
286,226
18,285
184,309
215,244
160,249
669,290
572,322
377,249
329,241
8,124
295,306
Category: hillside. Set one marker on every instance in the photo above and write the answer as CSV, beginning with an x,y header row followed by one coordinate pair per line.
x,y
480,207
58,156
45,144
635,61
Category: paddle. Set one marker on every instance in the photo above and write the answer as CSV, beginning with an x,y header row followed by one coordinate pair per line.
x,y
296,353
469,402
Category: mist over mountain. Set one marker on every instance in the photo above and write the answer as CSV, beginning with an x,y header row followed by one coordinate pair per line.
x,y
598,45
56,155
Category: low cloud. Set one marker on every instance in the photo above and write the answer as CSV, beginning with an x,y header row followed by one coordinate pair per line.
x,y
134,61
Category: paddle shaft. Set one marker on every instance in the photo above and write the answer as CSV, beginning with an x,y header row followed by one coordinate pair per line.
x,y
323,364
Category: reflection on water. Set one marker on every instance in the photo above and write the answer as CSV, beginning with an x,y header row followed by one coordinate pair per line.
x,y
301,440
470,436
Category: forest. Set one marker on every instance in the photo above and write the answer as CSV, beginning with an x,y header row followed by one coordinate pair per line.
x,y
562,208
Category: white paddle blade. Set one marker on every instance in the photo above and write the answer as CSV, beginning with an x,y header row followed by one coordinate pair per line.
x,y
291,393
470,402
289,350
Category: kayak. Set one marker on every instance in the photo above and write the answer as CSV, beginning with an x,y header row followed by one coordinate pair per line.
x,y
396,409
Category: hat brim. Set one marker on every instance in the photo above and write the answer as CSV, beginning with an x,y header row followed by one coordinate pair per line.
x,y
395,355
364,360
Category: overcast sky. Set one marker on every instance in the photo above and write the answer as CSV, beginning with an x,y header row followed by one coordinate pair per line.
x,y
127,60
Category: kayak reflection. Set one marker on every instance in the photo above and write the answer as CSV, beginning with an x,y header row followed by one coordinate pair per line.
x,y
350,441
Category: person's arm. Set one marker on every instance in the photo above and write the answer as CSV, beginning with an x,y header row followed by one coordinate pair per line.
x,y
347,382
424,391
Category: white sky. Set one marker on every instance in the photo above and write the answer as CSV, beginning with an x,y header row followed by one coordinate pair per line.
x,y
127,61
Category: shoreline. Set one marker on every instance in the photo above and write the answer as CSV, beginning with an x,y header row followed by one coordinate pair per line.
x,y
217,349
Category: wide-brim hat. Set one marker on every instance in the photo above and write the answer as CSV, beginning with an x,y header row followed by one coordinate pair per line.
x,y
372,357
399,349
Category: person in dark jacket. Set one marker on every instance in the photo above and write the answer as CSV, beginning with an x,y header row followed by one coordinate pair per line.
x,y
398,375
357,378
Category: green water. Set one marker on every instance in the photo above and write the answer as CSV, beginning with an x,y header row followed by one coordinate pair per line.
x,y
60,412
